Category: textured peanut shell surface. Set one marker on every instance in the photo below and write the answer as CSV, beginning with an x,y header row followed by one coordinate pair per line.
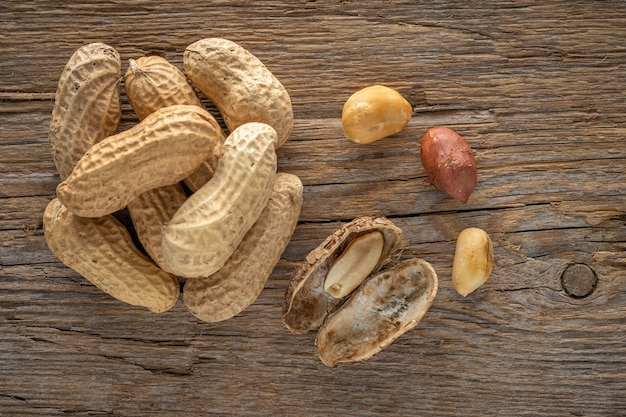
x,y
86,105
161,150
209,226
306,303
150,212
240,281
151,83
384,308
102,251
239,84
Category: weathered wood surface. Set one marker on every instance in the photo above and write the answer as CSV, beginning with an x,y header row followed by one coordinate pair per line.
x,y
538,90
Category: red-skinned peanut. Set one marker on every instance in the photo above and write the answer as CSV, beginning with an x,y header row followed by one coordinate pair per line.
x,y
449,162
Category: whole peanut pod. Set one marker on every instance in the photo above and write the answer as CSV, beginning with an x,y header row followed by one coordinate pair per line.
x,y
240,281
209,226
152,83
163,149
86,106
239,85
102,251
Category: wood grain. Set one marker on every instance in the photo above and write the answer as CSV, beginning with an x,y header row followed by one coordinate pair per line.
x,y
536,88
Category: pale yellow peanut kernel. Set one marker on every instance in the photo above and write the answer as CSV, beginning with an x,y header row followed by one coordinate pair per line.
x,y
473,260
354,265
373,113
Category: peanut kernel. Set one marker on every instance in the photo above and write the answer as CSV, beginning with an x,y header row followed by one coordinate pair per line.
x,y
373,113
354,265
473,260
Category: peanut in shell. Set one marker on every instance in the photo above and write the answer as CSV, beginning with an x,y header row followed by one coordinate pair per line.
x,y
306,303
87,105
161,150
149,212
242,88
240,281
102,251
152,82
208,227
384,307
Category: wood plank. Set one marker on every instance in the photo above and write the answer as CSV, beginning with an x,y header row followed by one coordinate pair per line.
x,y
537,89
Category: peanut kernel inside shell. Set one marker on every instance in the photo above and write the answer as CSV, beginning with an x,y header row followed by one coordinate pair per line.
x,y
355,264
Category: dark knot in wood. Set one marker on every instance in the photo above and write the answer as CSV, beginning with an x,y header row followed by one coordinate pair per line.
x,y
578,280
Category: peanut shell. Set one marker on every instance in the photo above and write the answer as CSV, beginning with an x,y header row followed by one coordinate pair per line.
x,y
306,303
102,251
385,307
240,281
86,106
149,212
152,83
161,150
208,227
239,85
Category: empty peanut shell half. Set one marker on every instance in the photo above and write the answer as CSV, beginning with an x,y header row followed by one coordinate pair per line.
x,y
335,268
384,308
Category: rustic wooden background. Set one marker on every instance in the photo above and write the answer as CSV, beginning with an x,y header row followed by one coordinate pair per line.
x,y
536,87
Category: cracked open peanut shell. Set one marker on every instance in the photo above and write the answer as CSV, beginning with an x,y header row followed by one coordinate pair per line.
x,y
385,307
308,300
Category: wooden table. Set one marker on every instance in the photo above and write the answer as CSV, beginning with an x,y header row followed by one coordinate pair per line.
x,y
536,87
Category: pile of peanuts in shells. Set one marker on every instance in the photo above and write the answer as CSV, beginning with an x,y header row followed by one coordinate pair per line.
x,y
210,210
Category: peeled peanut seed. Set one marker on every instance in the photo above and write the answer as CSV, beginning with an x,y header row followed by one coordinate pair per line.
x,y
240,281
383,308
161,150
449,162
306,302
86,106
209,226
102,251
239,85
473,260
373,113
354,265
